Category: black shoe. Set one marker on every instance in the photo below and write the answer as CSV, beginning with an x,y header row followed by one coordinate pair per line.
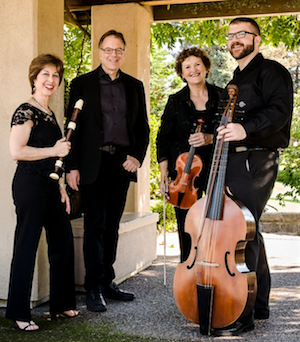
x,y
95,301
262,314
113,292
232,330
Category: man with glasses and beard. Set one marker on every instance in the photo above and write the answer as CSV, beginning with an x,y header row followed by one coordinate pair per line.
x,y
261,126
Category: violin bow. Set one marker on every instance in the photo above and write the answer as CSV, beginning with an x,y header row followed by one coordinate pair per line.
x,y
165,236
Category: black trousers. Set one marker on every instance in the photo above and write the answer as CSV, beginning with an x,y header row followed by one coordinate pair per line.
x,y
250,177
103,204
184,238
38,203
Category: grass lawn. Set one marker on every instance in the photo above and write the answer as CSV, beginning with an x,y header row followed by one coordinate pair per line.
x,y
67,330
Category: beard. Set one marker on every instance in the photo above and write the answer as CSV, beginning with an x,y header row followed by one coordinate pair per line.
x,y
245,52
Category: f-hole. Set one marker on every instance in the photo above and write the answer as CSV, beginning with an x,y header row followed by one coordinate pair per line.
x,y
226,263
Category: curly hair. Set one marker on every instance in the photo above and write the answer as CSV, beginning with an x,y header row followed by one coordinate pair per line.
x,y
40,62
194,51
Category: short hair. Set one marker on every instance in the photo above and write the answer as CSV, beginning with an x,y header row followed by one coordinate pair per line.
x,y
247,20
111,33
194,51
40,62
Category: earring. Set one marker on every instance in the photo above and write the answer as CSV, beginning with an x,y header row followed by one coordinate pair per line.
x,y
33,89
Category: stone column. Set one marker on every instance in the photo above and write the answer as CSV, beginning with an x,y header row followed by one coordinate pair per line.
x,y
133,20
28,28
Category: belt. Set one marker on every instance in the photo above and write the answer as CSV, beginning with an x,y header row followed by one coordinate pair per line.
x,y
250,148
112,149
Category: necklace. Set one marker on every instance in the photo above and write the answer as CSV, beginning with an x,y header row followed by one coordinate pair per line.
x,y
41,107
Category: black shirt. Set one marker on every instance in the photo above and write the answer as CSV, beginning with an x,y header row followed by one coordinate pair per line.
x,y
113,108
264,104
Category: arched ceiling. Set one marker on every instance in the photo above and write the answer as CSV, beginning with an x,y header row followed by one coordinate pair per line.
x,y
178,10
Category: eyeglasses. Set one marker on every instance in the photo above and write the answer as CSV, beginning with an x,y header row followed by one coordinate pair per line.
x,y
109,51
240,34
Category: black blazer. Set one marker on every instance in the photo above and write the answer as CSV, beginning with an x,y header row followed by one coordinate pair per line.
x,y
87,138
178,122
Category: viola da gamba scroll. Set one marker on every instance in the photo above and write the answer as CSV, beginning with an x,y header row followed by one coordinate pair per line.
x,y
214,287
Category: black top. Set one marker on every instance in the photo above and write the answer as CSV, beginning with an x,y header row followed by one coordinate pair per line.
x,y
113,108
179,120
44,133
264,104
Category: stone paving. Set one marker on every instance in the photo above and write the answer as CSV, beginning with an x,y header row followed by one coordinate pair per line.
x,y
154,314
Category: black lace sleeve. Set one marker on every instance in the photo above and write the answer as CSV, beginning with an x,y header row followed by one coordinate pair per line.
x,y
22,114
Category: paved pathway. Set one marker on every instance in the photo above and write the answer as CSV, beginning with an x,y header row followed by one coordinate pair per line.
x,y
154,313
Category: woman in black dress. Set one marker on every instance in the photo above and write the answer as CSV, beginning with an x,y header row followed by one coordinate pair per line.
x,y
197,100
35,143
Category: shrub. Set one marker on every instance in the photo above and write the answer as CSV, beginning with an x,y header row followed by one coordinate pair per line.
x,y
157,206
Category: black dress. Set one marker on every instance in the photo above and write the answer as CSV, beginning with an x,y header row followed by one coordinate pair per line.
x,y
179,120
38,204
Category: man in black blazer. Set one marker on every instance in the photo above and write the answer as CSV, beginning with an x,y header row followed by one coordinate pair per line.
x,y
108,146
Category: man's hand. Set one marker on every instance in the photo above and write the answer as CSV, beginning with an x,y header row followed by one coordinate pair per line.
x,y
233,132
131,164
73,179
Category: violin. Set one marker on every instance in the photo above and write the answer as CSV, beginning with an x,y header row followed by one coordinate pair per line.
x,y
182,191
214,287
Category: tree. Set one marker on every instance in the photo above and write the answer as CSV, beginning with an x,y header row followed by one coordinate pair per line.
x,y
289,172
77,55
274,30
163,82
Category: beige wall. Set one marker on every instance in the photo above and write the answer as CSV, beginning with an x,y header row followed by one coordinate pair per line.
x,y
27,28
133,21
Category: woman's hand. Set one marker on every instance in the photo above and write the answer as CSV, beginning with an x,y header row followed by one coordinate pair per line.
x,y
200,139
64,197
164,182
62,148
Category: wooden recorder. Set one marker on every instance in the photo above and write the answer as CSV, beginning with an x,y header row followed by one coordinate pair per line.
x,y
70,129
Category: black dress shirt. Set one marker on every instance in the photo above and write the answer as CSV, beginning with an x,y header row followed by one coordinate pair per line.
x,y
264,104
113,108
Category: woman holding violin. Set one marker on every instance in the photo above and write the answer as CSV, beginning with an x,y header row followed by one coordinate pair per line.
x,y
35,143
188,121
